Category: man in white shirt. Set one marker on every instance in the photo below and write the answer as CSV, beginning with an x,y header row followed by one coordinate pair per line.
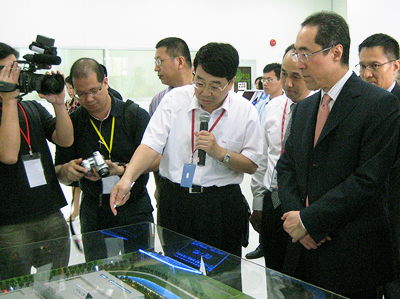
x,y
206,205
267,212
272,87
173,66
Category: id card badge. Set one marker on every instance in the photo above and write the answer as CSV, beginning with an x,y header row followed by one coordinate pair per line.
x,y
188,175
274,181
34,170
109,183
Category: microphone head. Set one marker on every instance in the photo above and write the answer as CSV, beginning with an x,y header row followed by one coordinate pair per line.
x,y
43,59
205,117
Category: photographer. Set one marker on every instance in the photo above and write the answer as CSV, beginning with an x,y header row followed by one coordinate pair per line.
x,y
114,128
30,194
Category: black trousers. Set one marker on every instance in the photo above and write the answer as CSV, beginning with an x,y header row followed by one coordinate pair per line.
x,y
101,229
215,217
274,238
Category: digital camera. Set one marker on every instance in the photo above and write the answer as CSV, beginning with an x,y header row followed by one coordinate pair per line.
x,y
97,162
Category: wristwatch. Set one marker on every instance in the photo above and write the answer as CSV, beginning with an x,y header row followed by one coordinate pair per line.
x,y
227,157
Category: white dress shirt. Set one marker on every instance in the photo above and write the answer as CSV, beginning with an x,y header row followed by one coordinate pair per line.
x,y
170,129
272,139
272,149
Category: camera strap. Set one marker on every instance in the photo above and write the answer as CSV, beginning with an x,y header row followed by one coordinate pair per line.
x,y
102,139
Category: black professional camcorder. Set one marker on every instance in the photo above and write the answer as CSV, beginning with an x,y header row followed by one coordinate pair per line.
x,y
29,81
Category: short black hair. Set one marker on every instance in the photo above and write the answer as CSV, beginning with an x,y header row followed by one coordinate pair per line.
x,y
290,48
176,47
68,80
276,67
83,66
6,50
218,59
389,44
332,30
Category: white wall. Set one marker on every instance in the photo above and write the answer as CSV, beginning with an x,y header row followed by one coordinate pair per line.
x,y
367,17
248,25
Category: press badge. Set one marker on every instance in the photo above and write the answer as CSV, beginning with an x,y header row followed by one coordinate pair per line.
x,y
188,175
34,170
109,183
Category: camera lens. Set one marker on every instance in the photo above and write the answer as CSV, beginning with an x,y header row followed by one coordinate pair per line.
x,y
103,172
51,84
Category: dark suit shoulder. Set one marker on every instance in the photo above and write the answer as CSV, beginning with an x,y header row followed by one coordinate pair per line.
x,y
371,91
396,90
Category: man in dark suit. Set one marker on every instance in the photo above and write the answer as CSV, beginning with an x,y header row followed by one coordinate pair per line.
x,y
379,64
332,180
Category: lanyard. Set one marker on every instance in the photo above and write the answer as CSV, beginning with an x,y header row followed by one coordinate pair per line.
x,y
102,139
27,137
213,126
283,127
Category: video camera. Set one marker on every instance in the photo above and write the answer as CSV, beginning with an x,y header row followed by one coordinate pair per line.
x,y
29,81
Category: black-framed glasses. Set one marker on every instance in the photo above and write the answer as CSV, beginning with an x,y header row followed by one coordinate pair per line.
x,y
94,92
373,67
159,61
303,57
213,88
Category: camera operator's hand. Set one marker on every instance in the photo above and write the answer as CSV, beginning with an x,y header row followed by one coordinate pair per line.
x,y
55,99
71,171
10,74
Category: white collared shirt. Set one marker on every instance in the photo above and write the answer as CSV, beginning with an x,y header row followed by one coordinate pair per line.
x,y
392,86
170,129
273,138
336,89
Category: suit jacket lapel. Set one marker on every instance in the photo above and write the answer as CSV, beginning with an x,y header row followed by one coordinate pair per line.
x,y
344,104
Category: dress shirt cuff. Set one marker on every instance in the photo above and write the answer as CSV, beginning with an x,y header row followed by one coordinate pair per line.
x,y
301,221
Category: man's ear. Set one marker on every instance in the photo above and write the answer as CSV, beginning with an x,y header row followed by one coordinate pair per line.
x,y
181,62
396,66
105,82
337,52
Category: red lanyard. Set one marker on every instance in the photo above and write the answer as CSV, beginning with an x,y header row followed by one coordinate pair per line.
x,y
283,127
27,137
213,126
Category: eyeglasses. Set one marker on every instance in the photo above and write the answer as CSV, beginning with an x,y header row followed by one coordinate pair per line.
x,y
374,67
303,57
213,88
94,92
159,61
269,80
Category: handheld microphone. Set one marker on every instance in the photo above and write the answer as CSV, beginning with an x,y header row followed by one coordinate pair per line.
x,y
204,119
43,59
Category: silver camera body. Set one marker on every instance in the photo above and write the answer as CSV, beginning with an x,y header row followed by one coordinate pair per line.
x,y
97,162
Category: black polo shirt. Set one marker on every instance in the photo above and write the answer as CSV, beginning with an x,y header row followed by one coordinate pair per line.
x,y
125,143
